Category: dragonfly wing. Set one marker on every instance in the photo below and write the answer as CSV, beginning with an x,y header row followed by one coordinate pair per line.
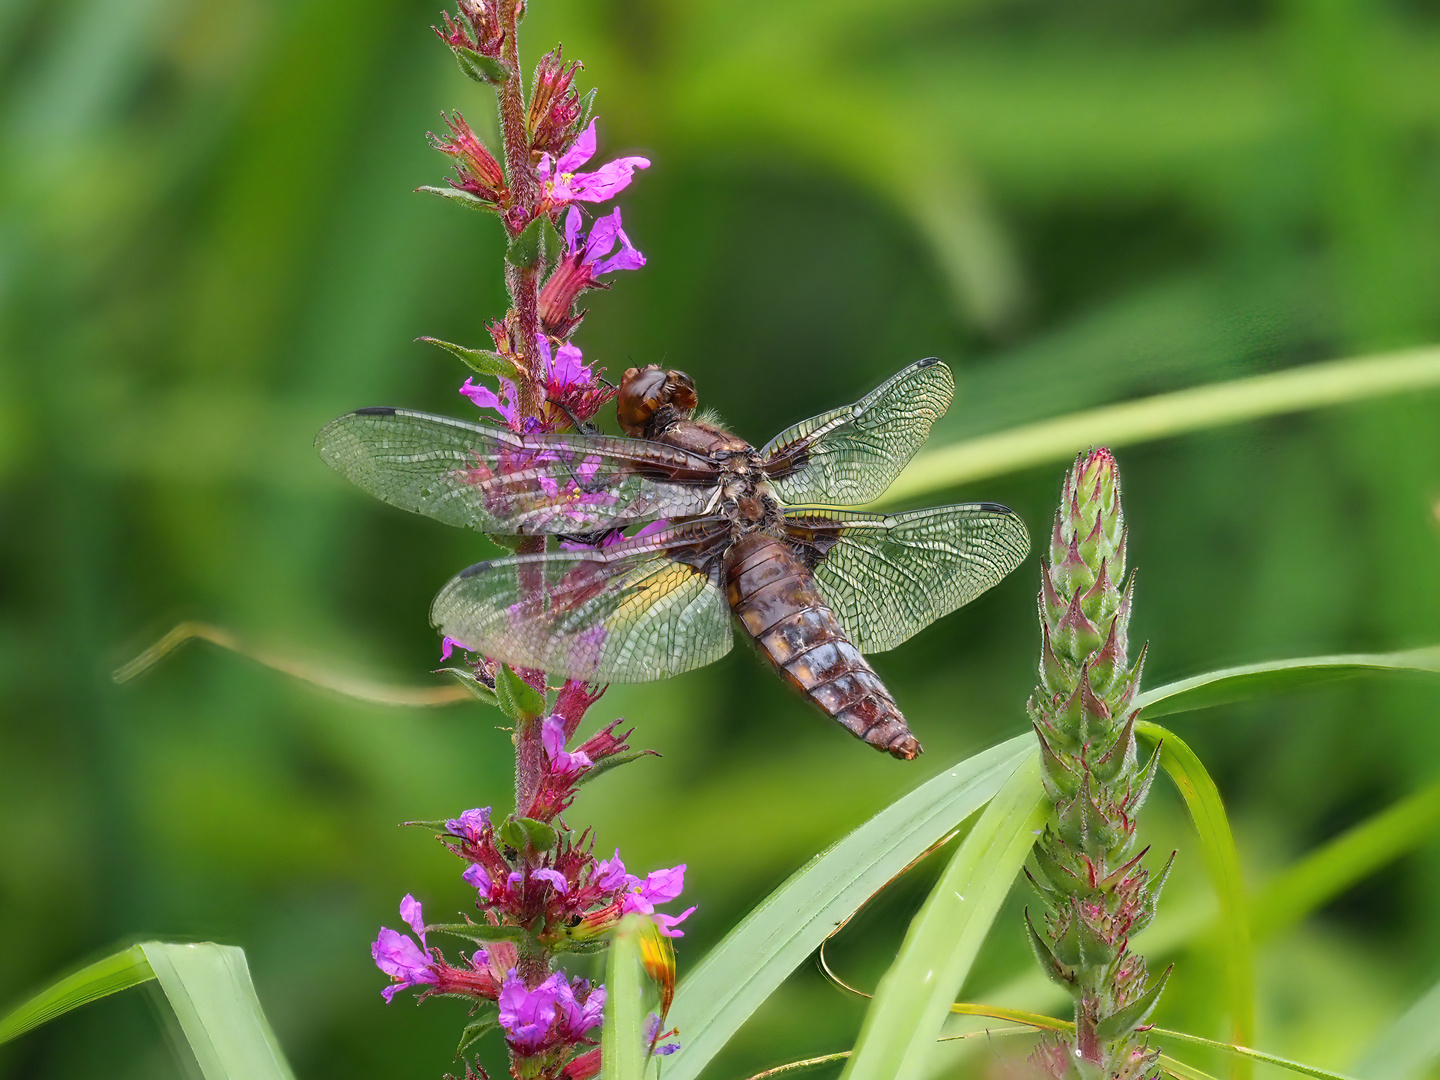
x,y
494,480
887,576
851,455
642,609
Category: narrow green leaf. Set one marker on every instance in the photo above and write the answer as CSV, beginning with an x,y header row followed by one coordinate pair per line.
x,y
773,940
1217,845
209,988
518,699
359,689
1252,680
900,1026
1197,409
1182,1071
481,932
524,250
473,686
464,198
622,1038
483,361
614,761
1409,1047
1246,1054
119,971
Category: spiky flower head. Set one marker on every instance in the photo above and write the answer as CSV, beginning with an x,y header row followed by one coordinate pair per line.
x,y
1097,894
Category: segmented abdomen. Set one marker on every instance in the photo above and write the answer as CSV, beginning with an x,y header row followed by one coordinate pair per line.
x,y
775,597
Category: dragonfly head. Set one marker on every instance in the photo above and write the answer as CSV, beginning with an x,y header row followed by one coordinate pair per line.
x,y
645,391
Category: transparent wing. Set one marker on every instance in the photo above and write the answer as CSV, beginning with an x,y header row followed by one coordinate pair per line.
x,y
886,577
851,455
632,612
493,480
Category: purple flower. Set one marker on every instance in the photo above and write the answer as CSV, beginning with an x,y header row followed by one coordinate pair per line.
x,y
652,1034
579,1017
469,824
526,1015
595,255
554,877
564,185
562,763
399,957
659,887
475,875
610,873
504,403
563,371
535,1020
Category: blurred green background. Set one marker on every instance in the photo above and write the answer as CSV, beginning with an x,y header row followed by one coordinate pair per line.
x,y
209,247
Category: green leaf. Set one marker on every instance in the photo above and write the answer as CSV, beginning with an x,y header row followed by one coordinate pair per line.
x,y
484,361
481,68
1409,1047
464,198
622,1038
915,994
1163,415
542,837
120,971
1251,680
207,985
736,976
473,686
1244,1053
519,700
614,761
524,250
209,988
1217,845
481,932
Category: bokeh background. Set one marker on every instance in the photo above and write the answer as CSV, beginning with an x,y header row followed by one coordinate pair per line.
x,y
209,246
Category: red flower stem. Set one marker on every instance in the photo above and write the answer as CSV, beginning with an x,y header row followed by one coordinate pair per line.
x,y
523,285
523,282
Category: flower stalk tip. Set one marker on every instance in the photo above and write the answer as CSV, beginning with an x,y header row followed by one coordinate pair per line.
x,y
1095,891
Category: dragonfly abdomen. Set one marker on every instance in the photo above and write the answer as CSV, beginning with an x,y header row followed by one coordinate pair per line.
x,y
775,598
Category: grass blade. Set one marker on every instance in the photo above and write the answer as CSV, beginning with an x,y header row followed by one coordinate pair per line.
x,y
914,995
756,957
1327,871
209,988
622,1039
1198,408
1246,1054
207,985
1250,680
1217,845
1409,1047
337,682
120,971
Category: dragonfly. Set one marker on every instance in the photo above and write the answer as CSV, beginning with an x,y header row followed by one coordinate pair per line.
x,y
670,536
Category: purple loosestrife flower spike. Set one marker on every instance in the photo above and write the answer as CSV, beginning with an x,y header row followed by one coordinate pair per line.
x,y
1096,892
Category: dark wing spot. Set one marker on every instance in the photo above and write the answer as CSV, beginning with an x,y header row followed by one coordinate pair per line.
x,y
994,508
929,361
375,410
478,568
